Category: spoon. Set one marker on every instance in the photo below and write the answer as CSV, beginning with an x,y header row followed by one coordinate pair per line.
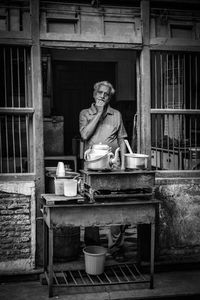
x,y
128,146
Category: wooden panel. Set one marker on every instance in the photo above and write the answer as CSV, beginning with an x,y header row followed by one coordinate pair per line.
x,y
64,27
14,19
3,19
109,25
107,214
198,30
175,29
26,21
119,28
14,35
15,23
91,24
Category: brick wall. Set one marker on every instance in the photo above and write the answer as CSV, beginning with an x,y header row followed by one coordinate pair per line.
x,y
15,226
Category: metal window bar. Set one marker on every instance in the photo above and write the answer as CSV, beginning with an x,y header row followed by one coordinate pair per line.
x,y
175,111
15,114
161,70
19,119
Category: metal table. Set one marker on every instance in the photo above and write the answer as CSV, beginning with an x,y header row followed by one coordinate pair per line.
x,y
57,210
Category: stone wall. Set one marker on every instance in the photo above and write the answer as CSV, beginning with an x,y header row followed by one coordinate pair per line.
x,y
179,224
17,227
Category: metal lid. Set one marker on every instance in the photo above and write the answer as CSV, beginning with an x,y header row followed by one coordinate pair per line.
x,y
100,147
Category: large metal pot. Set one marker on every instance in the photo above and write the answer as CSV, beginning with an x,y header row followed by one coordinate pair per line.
x,y
135,161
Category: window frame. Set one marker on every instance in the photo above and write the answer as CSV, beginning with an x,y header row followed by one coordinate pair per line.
x,y
170,112
22,111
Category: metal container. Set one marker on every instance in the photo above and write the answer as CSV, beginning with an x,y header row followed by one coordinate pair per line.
x,y
100,157
101,163
50,177
136,161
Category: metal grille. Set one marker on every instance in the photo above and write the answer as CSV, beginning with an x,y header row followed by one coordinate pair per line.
x,y
15,110
118,274
175,110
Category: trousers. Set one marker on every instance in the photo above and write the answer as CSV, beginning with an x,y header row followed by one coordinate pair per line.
x,y
115,236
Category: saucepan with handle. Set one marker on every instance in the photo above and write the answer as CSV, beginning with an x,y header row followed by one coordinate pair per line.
x,y
135,160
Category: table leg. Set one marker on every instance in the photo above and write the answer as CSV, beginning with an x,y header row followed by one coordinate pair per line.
x,y
44,246
50,261
152,255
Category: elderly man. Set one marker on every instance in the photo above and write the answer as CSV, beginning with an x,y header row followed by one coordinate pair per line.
x,y
103,124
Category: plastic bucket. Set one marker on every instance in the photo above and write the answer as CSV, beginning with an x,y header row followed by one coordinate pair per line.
x,y
94,259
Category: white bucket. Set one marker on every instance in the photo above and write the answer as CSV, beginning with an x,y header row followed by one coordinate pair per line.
x,y
70,187
94,259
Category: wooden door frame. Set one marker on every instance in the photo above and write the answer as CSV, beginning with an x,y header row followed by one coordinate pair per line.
x,y
37,119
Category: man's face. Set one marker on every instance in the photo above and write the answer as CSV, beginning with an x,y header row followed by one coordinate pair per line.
x,y
102,96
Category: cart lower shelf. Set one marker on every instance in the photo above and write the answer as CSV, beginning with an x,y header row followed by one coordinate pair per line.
x,y
113,275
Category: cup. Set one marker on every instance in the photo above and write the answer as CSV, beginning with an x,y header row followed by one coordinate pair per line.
x,y
60,171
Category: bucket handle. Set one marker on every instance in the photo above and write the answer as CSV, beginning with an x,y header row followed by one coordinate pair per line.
x,y
76,176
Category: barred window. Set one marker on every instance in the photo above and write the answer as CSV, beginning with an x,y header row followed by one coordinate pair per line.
x,y
15,110
175,110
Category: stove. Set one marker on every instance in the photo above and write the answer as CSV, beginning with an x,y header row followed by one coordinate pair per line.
x,y
117,184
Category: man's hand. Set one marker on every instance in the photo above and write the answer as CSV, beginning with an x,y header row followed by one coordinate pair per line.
x,y
101,107
100,103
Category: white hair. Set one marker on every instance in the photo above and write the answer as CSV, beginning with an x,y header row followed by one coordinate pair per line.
x,y
105,83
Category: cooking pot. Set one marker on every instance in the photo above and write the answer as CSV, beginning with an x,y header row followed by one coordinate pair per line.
x,y
100,157
135,161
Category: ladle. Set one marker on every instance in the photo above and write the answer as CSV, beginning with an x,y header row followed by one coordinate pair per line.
x,y
128,146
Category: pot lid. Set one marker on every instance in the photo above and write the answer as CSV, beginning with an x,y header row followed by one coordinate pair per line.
x,y
100,147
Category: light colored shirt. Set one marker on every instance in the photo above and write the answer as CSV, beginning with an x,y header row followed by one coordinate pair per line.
x,y
109,129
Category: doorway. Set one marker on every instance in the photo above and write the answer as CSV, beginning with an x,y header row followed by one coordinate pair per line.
x,y
68,80
73,83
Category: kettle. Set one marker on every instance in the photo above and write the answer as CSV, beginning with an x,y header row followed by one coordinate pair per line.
x,y
100,157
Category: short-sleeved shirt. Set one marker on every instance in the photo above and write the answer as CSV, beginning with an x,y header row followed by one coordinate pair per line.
x,y
109,129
